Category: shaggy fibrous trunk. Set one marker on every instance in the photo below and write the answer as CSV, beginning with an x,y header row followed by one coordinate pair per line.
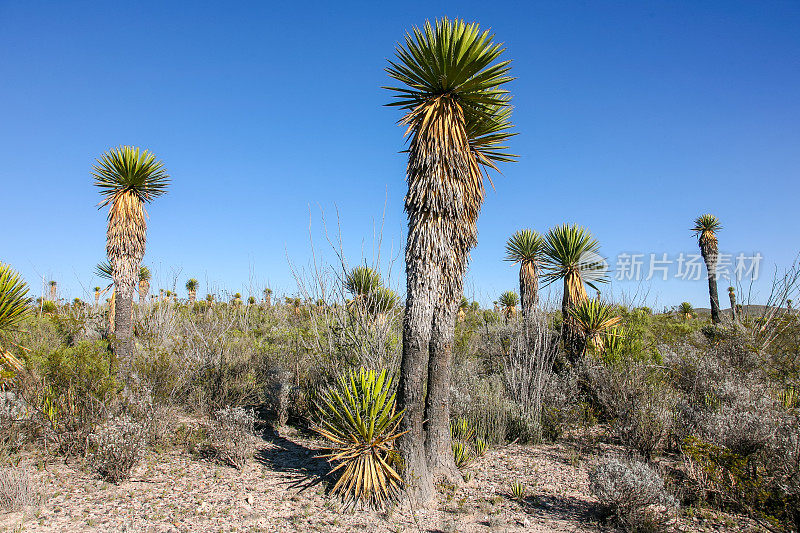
x,y
96,299
528,288
709,251
445,190
53,292
192,297
438,445
125,244
574,294
422,286
732,297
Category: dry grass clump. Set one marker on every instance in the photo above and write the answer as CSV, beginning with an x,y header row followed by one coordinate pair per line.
x,y
16,489
231,435
633,493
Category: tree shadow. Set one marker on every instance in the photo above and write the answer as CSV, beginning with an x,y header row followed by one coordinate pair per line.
x,y
562,508
305,465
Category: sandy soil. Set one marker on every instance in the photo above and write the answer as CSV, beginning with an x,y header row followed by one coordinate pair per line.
x,y
172,491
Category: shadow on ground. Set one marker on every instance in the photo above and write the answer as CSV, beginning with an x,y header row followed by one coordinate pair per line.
x,y
304,464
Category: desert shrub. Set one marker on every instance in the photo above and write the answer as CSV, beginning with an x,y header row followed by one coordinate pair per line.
x,y
561,405
232,435
16,489
72,389
633,493
637,402
482,400
119,446
761,481
528,368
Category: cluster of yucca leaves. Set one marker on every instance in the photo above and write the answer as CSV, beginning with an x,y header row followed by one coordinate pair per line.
x,y
365,284
13,310
359,418
467,446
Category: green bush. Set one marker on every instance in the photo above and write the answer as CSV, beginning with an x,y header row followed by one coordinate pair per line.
x,y
73,389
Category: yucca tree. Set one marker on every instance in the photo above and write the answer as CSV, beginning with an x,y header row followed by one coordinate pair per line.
x,y
268,297
571,254
732,298
191,288
457,114
97,291
53,290
14,309
685,310
361,281
508,304
128,178
104,271
705,229
525,247
463,307
593,319
144,283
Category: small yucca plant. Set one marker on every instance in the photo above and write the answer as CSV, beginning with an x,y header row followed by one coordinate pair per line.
x,y
462,454
518,491
359,418
480,447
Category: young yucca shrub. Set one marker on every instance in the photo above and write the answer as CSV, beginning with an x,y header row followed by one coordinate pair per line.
x,y
462,454
518,491
359,418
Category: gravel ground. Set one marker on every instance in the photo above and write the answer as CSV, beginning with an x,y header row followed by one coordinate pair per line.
x,y
172,491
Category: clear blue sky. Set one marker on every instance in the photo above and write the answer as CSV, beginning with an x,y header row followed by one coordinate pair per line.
x,y
633,118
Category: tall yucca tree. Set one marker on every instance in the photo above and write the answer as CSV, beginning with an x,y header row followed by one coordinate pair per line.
x,y
508,304
572,255
732,298
13,311
191,288
457,114
525,247
128,178
144,283
705,229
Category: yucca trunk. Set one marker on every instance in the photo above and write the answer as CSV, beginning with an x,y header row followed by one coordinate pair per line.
x,y
444,195
96,299
268,300
574,294
528,288
422,287
125,246
144,288
710,253
438,444
53,292
192,297
732,297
